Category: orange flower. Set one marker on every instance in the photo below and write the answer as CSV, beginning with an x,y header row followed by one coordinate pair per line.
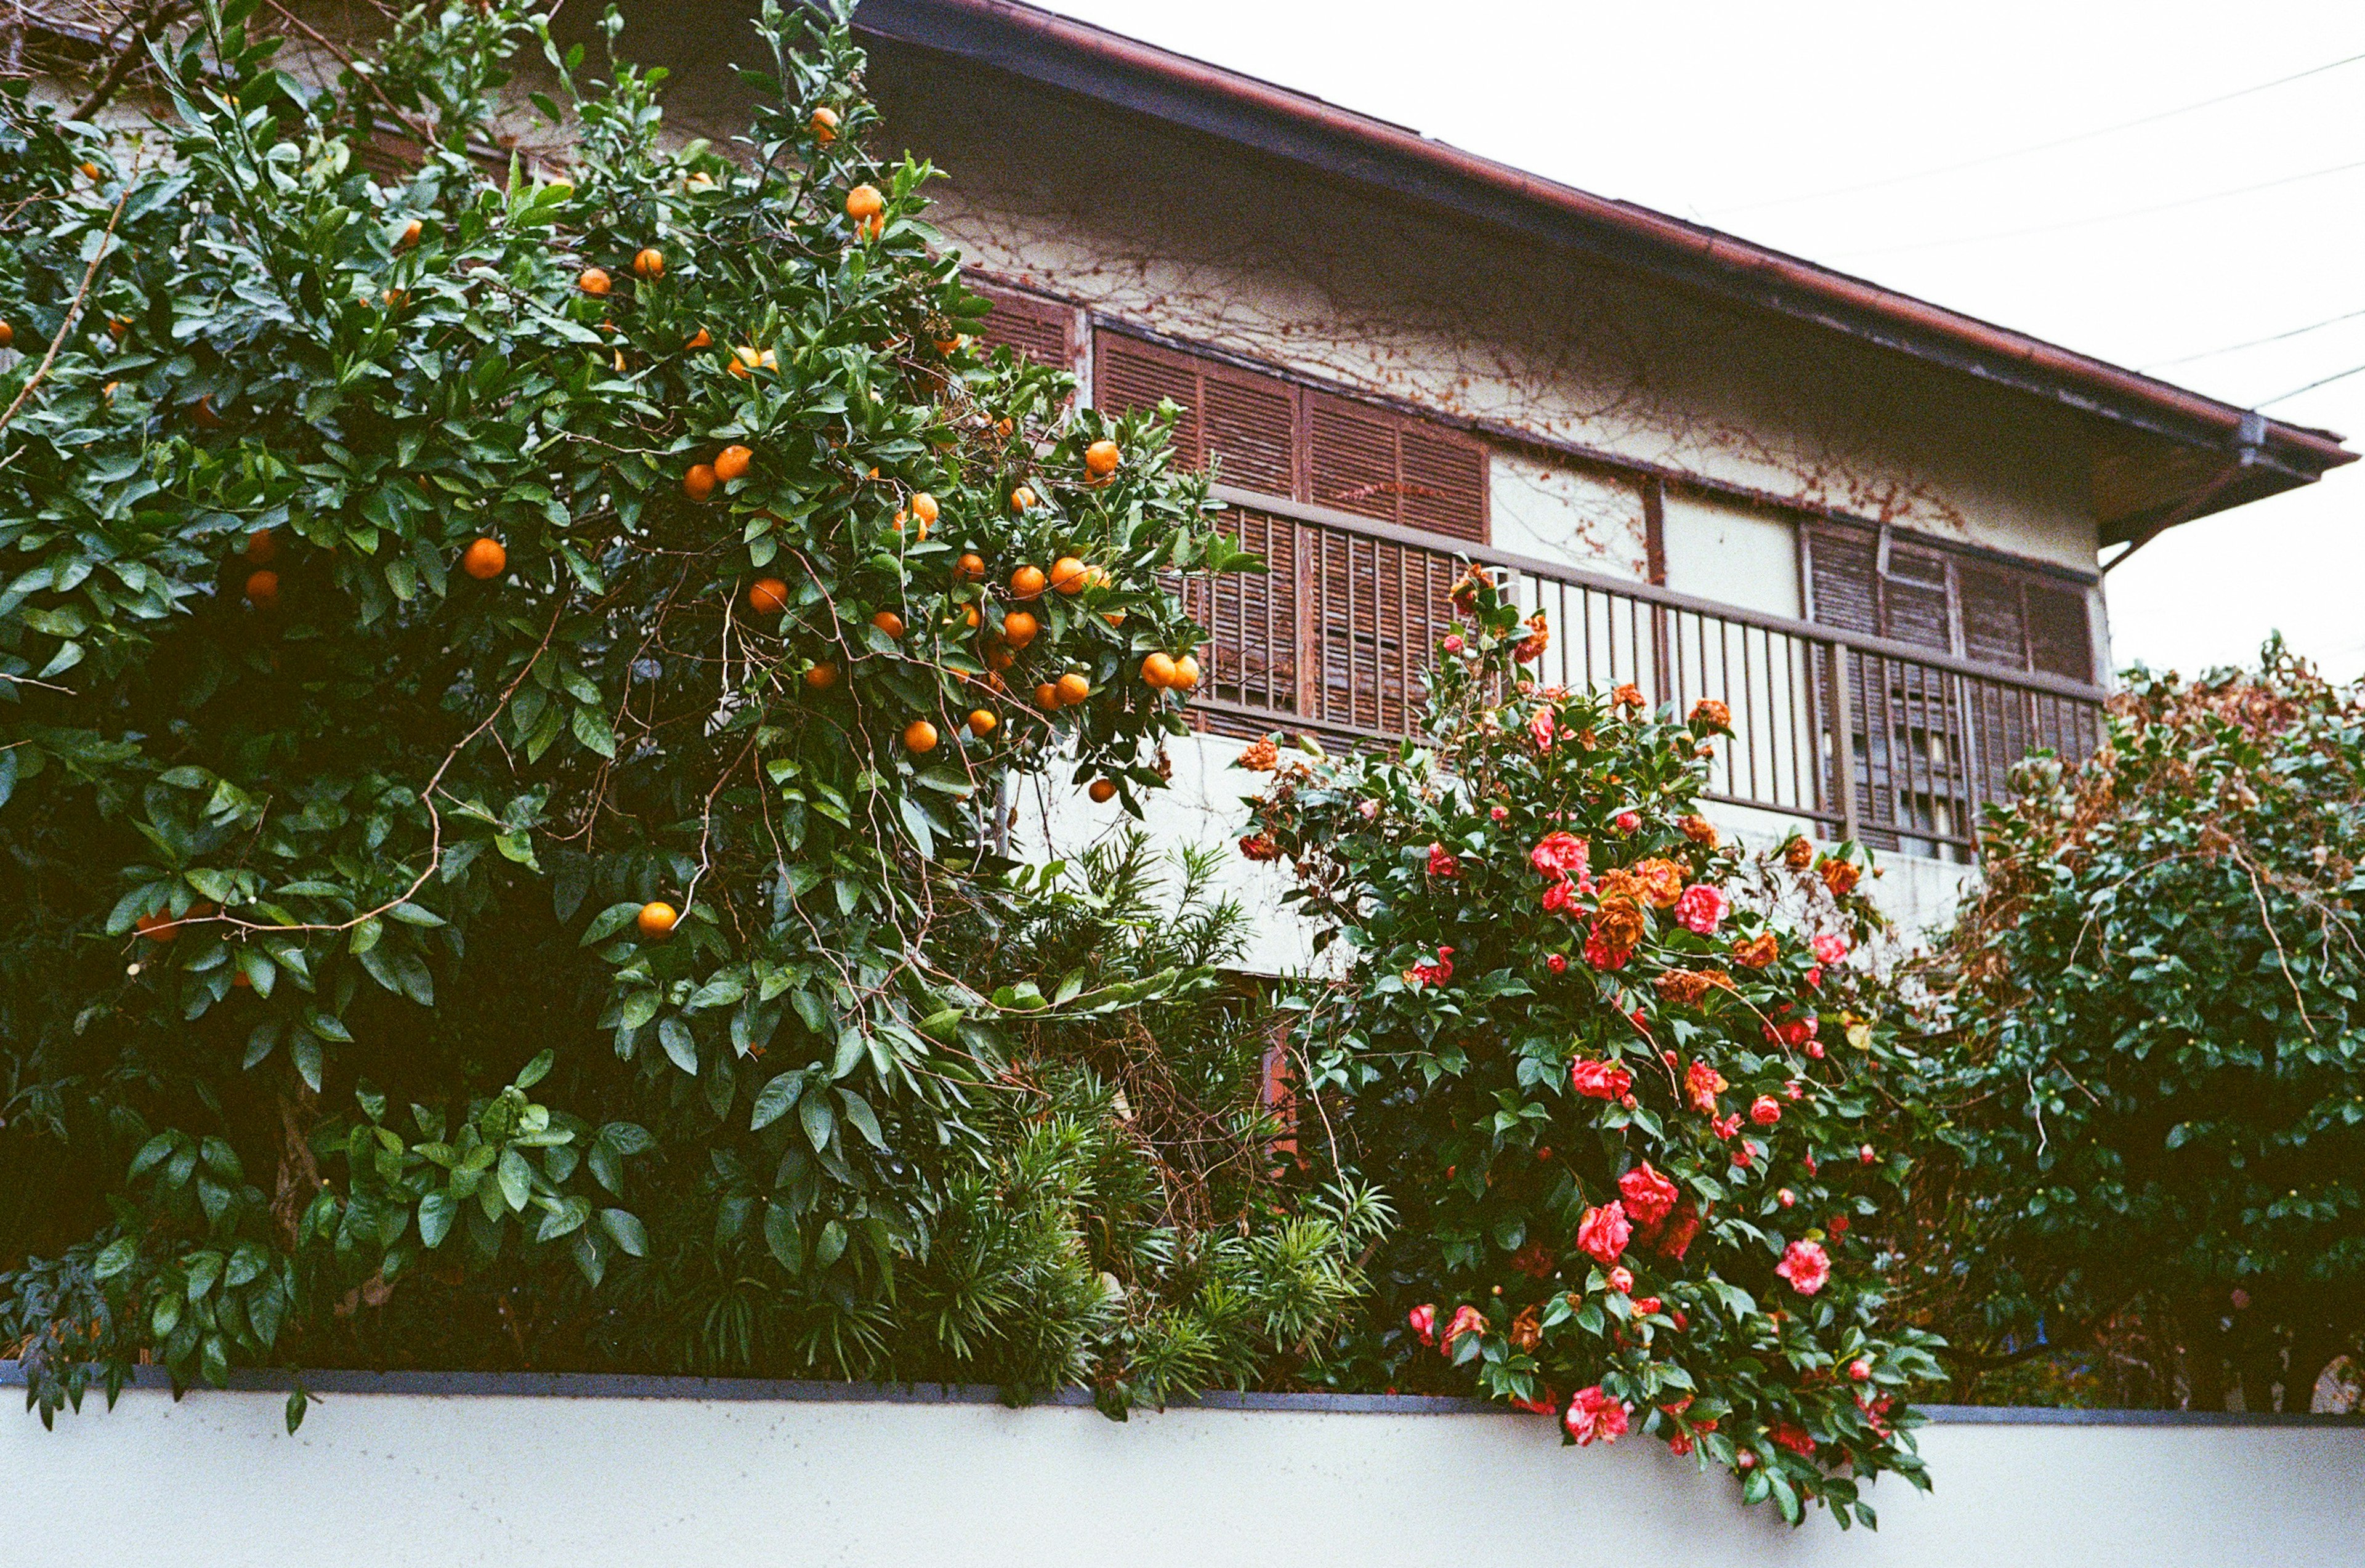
x,y
1797,853
1700,830
1757,952
1709,713
1622,922
1628,696
1685,988
1839,876
1661,882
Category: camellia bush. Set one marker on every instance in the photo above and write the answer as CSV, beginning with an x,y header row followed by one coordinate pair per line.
x,y
2155,1077
509,685
1628,1097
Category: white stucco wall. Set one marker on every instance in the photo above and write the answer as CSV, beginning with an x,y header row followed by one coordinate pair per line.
x,y
467,1480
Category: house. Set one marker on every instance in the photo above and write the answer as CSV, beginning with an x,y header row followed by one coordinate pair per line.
x,y
1868,524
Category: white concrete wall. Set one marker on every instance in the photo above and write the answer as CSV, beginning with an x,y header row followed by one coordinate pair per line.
x,y
466,1480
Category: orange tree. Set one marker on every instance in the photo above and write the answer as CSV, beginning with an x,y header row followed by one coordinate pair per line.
x,y
1638,1128
506,681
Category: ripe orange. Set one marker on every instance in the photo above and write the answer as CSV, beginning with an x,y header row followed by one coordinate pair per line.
x,y
409,235
999,658
1070,575
732,461
262,589
1047,697
1074,688
924,507
1114,617
821,677
825,124
1027,582
864,202
702,339
698,482
7,334
1103,791
655,920
871,226
116,326
768,596
1158,670
485,560
981,723
746,359
969,617
204,413
89,171
1018,628
969,568
887,620
1186,672
920,735
649,263
1100,458
157,927
903,516
261,548
594,282
1021,499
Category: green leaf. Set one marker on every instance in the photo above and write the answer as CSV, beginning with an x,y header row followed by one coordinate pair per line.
x,y
627,1231
773,1101
437,1210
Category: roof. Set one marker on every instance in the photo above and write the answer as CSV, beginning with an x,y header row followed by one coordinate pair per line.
x,y
2183,455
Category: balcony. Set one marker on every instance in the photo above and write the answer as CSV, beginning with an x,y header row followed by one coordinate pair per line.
x,y
1336,637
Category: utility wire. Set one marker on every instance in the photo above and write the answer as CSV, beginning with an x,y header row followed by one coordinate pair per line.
x,y
1986,159
2321,381
2092,219
2254,342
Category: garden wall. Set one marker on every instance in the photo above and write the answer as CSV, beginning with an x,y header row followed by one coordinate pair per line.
x,y
458,1470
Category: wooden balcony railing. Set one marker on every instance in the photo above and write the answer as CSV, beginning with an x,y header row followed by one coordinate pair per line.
x,y
1334,637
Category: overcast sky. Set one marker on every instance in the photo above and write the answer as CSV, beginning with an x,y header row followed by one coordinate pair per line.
x,y
1725,112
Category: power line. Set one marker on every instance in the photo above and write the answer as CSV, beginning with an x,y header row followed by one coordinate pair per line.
x,y
2092,219
1987,159
2321,381
2254,342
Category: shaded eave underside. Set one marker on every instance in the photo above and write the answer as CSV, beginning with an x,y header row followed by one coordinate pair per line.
x,y
2178,456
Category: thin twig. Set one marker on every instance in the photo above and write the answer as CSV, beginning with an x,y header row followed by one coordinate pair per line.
x,y
57,339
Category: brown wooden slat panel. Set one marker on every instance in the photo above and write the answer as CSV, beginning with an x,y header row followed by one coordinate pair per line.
x,y
1251,424
1445,483
1995,630
1350,461
1913,600
1847,592
1251,655
2060,635
1039,329
1130,375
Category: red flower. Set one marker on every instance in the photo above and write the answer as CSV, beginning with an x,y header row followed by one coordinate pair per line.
x,y
1556,962
1838,1225
1807,1266
1541,728
1829,948
1675,1239
1440,864
1259,847
1865,1154
1594,1414
1437,973
1499,814
1725,1127
1702,908
1743,1154
1559,898
1453,644
1860,1369
1791,1436
1603,1233
1680,1444
1766,1110
1627,822
1599,1079
1467,1320
1645,1305
1786,1197
1815,978
1600,954
1423,1319
1561,856
1648,1197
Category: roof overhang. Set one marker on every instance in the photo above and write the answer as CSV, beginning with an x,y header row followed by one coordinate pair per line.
x,y
2203,456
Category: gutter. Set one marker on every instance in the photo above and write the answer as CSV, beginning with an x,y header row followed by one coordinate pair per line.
x,y
1056,51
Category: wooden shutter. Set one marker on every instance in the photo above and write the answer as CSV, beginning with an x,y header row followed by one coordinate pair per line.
x,y
1995,625
1844,565
1243,424
1914,599
2060,635
1039,329
1376,462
